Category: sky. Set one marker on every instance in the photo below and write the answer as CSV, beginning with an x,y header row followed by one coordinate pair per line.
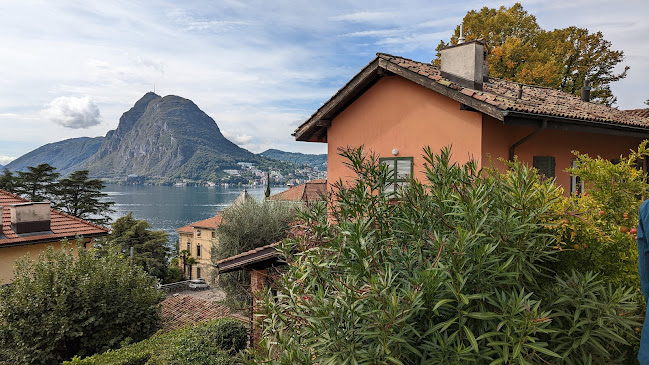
x,y
258,68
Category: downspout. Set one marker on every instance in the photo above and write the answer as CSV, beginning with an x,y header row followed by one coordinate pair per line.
x,y
544,125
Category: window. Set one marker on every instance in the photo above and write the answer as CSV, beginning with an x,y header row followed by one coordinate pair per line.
x,y
198,233
198,272
401,171
213,234
576,183
545,165
189,247
198,250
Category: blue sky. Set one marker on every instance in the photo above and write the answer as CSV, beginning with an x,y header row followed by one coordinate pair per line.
x,y
259,68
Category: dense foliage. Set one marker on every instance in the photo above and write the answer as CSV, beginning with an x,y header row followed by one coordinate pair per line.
x,y
247,225
597,230
76,194
150,249
210,343
312,160
63,305
455,270
520,50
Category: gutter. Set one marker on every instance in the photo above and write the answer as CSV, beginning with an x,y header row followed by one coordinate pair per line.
x,y
512,149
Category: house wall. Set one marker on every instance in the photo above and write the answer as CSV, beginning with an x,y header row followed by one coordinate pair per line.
x,y
396,113
497,138
8,256
204,262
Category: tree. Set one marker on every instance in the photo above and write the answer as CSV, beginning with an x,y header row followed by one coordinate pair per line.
x,y
267,193
453,270
63,305
150,248
646,102
246,226
82,197
37,183
7,180
521,51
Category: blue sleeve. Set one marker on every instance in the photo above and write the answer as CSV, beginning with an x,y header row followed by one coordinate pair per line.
x,y
643,248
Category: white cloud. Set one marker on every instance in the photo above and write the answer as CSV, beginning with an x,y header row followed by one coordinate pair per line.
x,y
240,139
6,159
72,112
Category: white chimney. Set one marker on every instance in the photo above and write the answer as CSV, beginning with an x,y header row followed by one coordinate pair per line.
x,y
465,64
30,217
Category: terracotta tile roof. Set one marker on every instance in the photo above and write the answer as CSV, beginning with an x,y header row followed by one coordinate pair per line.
x,y
62,225
259,254
180,310
499,98
643,113
535,99
309,191
209,223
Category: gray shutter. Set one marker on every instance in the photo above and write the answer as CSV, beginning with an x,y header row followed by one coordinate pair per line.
x,y
545,165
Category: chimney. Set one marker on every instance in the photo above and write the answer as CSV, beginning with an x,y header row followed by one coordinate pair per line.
x,y
465,63
585,91
30,217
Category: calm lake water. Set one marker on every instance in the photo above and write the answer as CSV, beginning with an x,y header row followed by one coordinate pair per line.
x,y
168,208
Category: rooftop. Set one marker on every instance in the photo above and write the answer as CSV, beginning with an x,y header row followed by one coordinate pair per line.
x,y
499,98
62,225
309,191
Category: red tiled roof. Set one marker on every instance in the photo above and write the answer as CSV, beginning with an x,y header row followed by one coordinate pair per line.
x,y
643,113
497,99
535,99
209,223
180,310
62,225
309,191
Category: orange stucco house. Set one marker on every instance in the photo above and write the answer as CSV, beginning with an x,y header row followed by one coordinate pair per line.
x,y
396,106
29,228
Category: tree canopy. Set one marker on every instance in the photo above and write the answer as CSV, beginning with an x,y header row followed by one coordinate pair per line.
x,y
65,305
521,51
82,197
247,225
37,183
150,248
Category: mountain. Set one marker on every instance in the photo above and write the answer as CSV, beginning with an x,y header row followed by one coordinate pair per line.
x,y
67,156
316,161
167,137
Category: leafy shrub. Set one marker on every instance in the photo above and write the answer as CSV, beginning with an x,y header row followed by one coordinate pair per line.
x,y
210,343
63,305
454,271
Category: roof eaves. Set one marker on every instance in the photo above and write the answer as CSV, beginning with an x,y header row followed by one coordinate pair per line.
x,y
307,130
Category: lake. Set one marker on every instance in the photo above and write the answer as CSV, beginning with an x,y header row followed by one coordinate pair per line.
x,y
168,208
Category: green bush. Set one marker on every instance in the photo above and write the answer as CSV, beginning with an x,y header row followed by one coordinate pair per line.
x,y
456,270
210,343
63,305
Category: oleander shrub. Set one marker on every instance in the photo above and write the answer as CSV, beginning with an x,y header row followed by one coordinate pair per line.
x,y
457,269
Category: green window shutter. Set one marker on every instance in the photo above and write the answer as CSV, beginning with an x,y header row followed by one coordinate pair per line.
x,y
545,165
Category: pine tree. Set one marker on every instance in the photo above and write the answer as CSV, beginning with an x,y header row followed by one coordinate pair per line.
x,y
37,183
82,197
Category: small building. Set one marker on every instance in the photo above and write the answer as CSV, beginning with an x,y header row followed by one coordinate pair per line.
x,y
395,107
305,193
198,239
30,227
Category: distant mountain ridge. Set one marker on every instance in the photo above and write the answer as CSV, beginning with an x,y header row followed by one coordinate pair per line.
x,y
318,161
166,137
66,155
162,138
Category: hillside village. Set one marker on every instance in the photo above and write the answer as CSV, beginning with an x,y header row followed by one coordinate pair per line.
x,y
458,218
